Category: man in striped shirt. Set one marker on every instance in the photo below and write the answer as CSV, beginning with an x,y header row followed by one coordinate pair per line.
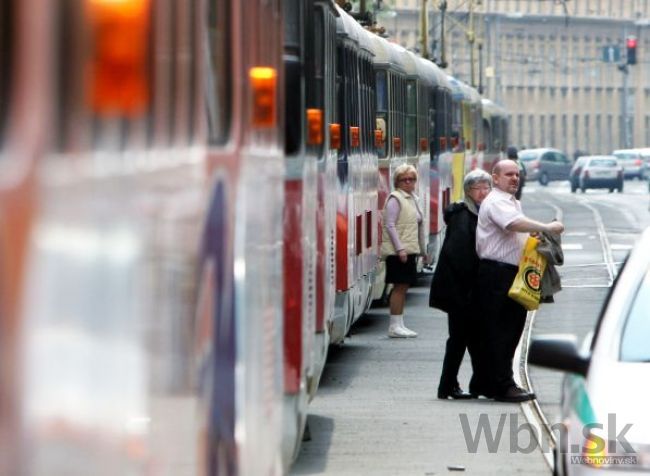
x,y
500,237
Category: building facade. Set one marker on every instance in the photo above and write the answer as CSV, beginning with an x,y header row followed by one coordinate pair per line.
x,y
553,65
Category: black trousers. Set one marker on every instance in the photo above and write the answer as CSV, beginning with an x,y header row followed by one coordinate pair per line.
x,y
460,338
499,323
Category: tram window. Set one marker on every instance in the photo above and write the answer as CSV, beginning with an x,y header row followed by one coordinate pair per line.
x,y
316,85
218,85
6,33
382,93
341,93
292,73
382,111
411,118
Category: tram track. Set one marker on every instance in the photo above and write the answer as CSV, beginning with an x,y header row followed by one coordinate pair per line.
x,y
532,410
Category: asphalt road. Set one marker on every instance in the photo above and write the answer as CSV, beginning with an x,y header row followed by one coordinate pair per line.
x,y
376,411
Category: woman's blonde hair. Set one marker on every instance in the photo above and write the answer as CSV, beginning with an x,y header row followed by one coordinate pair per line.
x,y
403,170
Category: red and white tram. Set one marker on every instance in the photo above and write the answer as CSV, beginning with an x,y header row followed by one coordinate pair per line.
x,y
190,200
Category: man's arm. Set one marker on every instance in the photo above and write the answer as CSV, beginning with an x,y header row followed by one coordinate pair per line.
x,y
526,225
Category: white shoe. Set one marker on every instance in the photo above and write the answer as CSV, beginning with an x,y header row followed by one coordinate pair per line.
x,y
400,322
409,332
398,332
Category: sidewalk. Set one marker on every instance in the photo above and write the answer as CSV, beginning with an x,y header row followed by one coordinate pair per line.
x,y
376,412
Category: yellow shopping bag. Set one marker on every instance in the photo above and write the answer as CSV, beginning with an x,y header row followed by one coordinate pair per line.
x,y
526,289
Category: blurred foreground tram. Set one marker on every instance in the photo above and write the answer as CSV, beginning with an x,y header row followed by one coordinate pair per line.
x,y
190,214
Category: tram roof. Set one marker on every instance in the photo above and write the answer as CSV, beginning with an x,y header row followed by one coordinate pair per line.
x,y
348,26
462,91
432,73
387,53
490,108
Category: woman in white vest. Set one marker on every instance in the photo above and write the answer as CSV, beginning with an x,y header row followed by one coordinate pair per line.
x,y
402,243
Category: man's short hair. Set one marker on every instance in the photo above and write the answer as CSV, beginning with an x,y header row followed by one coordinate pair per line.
x,y
512,152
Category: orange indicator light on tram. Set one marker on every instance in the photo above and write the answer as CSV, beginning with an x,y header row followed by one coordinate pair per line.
x,y
379,138
354,136
397,144
335,136
314,126
263,81
424,145
118,74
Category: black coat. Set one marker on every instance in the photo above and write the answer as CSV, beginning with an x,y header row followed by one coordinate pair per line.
x,y
457,266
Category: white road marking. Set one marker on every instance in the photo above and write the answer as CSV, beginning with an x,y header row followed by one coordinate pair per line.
x,y
621,247
571,246
576,233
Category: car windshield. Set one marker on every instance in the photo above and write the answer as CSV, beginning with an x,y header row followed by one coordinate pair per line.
x,y
603,163
636,334
527,157
626,156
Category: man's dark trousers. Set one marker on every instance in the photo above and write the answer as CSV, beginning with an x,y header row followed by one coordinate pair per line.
x,y
500,322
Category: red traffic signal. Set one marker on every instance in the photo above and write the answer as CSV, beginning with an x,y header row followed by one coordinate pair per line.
x,y
631,44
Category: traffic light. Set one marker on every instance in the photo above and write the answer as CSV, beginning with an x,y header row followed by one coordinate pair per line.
x,y
631,43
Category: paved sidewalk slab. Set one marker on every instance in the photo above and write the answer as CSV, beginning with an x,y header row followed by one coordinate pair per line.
x,y
376,411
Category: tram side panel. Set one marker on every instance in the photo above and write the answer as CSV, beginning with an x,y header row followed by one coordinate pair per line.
x,y
23,133
321,102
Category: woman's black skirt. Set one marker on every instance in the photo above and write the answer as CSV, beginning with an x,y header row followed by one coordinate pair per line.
x,y
401,273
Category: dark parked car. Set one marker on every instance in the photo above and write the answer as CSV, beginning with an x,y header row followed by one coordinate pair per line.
x,y
597,171
545,165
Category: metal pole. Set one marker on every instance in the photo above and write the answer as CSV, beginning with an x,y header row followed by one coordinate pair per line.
x,y
471,37
443,56
424,30
497,58
480,66
624,100
624,110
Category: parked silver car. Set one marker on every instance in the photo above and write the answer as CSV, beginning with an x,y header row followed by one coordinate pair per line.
x,y
632,161
545,165
605,394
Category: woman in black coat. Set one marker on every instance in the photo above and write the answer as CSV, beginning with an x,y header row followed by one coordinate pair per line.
x,y
455,277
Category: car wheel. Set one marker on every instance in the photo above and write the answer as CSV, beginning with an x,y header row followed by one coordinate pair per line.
x,y
543,179
583,189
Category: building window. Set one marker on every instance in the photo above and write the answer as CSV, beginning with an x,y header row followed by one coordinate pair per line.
x,y
551,130
609,133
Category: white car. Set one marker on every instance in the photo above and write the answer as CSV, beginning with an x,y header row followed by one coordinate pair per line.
x,y
596,171
632,162
605,396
